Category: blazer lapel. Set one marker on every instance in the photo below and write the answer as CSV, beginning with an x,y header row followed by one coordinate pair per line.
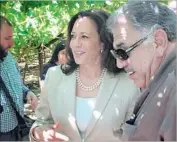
x,y
69,95
103,98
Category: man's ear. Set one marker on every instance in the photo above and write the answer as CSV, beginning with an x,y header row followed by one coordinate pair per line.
x,y
160,42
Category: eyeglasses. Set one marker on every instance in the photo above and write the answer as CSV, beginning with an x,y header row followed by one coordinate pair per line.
x,y
124,54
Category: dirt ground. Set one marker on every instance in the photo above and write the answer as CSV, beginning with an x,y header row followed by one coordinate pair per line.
x,y
31,81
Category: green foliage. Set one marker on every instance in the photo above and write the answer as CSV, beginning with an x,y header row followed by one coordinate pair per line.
x,y
37,22
164,1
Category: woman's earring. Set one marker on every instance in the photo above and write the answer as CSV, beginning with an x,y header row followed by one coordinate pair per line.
x,y
102,47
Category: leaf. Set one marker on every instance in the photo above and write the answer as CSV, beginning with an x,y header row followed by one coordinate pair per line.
x,y
37,22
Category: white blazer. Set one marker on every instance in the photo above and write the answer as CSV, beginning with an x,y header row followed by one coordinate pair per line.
x,y
114,104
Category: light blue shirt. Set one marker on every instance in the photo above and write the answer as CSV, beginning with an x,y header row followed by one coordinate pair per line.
x,y
84,108
12,79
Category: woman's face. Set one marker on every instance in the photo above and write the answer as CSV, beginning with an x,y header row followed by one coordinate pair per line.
x,y
85,42
62,57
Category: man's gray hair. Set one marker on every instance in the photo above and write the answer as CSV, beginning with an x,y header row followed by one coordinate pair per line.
x,y
144,14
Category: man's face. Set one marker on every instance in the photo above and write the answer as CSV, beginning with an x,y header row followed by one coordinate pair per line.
x,y
138,65
6,39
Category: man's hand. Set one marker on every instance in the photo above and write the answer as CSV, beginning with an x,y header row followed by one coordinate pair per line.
x,y
48,133
32,99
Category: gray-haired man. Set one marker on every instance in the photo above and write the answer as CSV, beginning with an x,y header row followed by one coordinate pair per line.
x,y
144,45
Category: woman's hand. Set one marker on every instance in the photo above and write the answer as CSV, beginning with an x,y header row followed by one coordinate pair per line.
x,y
32,99
48,133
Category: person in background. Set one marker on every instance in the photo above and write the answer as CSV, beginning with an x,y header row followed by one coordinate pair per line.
x,y
89,98
58,58
11,77
145,46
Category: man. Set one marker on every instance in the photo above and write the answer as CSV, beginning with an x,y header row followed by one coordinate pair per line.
x,y
144,45
12,79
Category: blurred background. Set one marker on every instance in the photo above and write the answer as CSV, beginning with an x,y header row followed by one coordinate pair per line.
x,y
40,25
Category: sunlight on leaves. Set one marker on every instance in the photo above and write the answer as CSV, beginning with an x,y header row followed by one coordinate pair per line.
x,y
17,6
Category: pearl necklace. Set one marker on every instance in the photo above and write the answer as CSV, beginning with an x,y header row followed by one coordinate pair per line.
x,y
92,87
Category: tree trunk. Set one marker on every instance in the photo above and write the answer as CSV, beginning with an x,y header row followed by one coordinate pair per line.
x,y
24,71
40,59
41,48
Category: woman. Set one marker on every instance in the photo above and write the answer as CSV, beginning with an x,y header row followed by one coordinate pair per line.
x,y
58,58
87,99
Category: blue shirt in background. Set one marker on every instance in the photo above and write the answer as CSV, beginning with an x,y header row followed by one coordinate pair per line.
x,y
12,79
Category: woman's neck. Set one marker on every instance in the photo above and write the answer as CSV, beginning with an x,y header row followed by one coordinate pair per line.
x,y
93,71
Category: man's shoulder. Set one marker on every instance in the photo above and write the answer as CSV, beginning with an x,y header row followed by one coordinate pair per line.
x,y
9,61
167,86
9,57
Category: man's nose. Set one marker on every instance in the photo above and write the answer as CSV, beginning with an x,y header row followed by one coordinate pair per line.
x,y
122,63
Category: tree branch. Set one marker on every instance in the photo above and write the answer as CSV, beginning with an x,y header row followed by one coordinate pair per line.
x,y
60,36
